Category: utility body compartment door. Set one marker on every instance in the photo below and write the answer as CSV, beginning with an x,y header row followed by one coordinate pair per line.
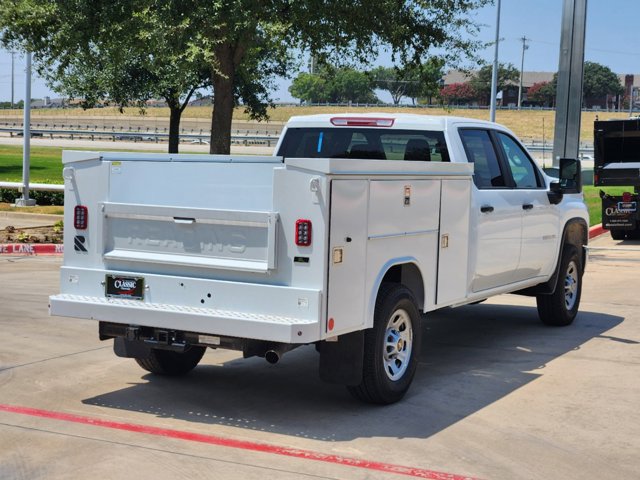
x,y
347,255
453,255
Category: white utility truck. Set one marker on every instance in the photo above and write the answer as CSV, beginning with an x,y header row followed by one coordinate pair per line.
x,y
354,227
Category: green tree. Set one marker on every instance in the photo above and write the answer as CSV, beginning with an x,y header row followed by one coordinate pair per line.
x,y
229,33
458,93
481,80
410,81
334,85
543,93
351,85
599,81
310,88
392,80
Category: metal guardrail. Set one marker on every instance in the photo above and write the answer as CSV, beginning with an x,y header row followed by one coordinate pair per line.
x,y
139,136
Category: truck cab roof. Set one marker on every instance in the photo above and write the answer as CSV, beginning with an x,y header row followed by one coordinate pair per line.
x,y
407,121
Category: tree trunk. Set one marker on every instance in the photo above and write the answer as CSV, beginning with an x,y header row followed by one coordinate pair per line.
x,y
223,103
174,128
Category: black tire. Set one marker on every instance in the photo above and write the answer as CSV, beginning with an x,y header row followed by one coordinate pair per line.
x,y
633,234
618,234
167,362
391,347
561,307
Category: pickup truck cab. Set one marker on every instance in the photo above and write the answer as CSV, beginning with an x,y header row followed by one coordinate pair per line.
x,y
356,226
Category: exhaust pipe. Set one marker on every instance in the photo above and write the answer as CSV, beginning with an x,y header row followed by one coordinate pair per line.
x,y
272,356
276,351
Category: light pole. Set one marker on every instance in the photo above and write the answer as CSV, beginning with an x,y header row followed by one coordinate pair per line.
x,y
524,47
494,74
25,201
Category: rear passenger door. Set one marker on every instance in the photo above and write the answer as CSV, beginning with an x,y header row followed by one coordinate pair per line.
x,y
496,214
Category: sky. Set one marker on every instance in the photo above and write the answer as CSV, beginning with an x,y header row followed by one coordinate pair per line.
x,y
612,39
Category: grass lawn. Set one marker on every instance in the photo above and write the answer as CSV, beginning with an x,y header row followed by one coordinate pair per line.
x,y
46,164
48,209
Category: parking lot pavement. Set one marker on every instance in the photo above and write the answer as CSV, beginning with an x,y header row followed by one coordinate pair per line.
x,y
497,396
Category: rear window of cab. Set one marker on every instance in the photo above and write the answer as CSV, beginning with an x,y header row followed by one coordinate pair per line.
x,y
364,143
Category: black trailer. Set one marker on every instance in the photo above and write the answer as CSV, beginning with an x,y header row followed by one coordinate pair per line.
x,y
617,163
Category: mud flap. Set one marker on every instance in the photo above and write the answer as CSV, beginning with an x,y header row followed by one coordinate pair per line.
x,y
130,349
341,362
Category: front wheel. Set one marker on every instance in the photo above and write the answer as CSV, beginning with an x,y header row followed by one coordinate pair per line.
x,y
561,307
168,362
391,347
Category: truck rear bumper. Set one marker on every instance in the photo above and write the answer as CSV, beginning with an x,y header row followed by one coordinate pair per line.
x,y
193,319
261,312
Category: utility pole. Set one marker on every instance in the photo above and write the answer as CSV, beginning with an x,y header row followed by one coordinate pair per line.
x,y
524,47
494,74
12,76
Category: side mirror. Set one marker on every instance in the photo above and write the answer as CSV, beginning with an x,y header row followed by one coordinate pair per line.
x,y
570,180
570,175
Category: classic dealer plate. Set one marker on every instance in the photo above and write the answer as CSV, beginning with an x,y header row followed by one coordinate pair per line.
x,y
124,287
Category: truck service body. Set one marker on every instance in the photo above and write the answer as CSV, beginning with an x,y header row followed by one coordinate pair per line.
x,y
356,225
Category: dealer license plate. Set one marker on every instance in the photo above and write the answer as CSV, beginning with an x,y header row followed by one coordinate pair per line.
x,y
124,287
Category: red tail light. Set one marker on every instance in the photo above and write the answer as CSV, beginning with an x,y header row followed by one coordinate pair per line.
x,y
303,233
362,122
80,217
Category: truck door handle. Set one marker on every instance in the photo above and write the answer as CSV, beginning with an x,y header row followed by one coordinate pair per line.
x,y
184,220
486,208
527,206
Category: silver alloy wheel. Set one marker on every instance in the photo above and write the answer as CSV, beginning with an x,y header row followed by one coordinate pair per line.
x,y
571,285
398,344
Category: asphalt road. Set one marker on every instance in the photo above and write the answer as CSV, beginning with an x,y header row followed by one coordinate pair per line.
x,y
497,396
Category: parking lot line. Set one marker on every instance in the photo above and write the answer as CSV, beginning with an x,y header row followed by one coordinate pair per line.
x,y
239,444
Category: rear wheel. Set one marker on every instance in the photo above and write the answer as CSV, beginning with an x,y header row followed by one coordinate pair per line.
x,y
391,348
168,362
561,307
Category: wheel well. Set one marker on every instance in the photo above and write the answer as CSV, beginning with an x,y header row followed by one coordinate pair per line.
x,y
576,234
408,275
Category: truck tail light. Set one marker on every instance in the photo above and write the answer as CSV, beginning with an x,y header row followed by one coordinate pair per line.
x,y
80,217
303,233
362,122
627,197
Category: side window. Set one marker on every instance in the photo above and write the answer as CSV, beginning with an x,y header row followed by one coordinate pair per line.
x,y
415,145
522,169
480,151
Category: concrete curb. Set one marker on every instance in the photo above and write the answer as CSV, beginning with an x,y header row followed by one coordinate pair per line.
x,y
31,249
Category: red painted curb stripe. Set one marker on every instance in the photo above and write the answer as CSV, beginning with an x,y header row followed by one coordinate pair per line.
x,y
240,444
596,230
31,249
